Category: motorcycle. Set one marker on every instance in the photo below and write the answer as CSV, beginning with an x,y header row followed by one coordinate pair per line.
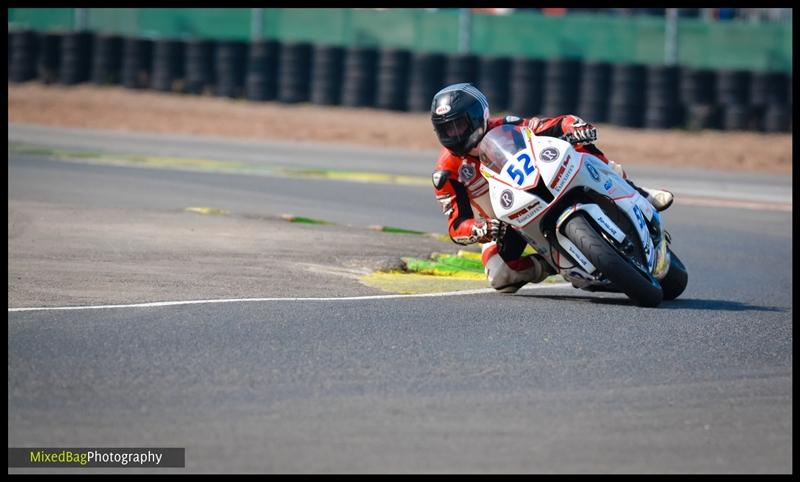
x,y
583,218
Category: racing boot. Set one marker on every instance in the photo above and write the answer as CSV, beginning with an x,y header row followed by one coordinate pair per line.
x,y
660,200
509,277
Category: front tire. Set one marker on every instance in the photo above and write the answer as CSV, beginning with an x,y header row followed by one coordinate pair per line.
x,y
644,291
676,279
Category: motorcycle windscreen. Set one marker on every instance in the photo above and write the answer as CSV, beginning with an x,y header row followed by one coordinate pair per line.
x,y
499,146
504,151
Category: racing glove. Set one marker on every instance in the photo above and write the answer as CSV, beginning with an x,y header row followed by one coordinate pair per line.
x,y
486,230
580,132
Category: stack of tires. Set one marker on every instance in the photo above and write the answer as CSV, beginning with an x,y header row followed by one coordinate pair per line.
x,y
494,81
294,72
462,68
664,109
262,70
358,86
594,92
733,95
326,75
769,98
76,58
107,59
697,92
229,68
199,68
24,47
49,57
393,77
526,87
427,78
137,62
628,90
168,63
561,81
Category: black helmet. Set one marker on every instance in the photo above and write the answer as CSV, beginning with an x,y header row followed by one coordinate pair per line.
x,y
460,114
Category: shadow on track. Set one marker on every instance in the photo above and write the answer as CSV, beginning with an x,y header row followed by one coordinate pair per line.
x,y
679,304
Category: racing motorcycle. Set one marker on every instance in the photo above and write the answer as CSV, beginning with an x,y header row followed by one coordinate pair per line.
x,y
583,218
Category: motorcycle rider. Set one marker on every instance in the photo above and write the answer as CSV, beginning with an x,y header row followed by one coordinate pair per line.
x,y
460,117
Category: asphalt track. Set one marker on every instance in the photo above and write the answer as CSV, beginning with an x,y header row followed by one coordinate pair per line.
x,y
548,380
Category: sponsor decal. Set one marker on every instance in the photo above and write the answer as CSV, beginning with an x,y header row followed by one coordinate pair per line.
x,y
549,154
608,227
608,185
639,217
560,172
577,255
592,171
506,199
467,172
443,109
567,175
524,210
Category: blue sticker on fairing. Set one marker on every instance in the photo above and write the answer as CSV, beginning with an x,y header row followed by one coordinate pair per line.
x,y
592,171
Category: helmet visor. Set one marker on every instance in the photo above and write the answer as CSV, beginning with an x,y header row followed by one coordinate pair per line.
x,y
458,128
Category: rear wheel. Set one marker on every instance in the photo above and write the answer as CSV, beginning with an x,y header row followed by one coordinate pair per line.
x,y
676,279
639,285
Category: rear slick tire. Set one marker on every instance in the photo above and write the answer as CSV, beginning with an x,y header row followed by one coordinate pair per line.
x,y
643,291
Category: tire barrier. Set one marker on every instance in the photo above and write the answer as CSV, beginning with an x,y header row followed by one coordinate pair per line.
x,y
778,118
107,59
358,85
229,68
733,87
294,71
702,116
168,65
49,57
663,109
769,88
76,57
493,81
737,117
396,79
262,68
23,51
594,92
697,86
427,78
462,68
199,67
327,68
137,62
526,87
562,79
392,85
628,89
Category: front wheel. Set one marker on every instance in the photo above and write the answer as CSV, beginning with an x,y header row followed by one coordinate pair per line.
x,y
643,290
676,279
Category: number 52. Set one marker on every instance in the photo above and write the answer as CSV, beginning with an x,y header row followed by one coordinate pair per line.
x,y
518,174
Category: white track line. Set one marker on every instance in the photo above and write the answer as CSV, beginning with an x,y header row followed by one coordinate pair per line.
x,y
238,300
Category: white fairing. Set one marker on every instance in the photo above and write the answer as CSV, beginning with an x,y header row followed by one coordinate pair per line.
x,y
517,162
